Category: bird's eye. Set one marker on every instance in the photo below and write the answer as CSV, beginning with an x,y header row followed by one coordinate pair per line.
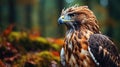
x,y
71,15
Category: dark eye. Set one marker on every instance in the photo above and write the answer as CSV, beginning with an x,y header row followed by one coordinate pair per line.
x,y
72,15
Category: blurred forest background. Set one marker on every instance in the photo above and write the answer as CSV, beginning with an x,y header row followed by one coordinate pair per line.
x,y
31,36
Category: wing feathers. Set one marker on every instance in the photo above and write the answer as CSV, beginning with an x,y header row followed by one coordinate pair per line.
x,y
104,51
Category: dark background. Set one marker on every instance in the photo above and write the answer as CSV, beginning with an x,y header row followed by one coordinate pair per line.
x,y
42,15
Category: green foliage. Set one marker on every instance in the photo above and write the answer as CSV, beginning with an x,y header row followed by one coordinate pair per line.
x,y
55,47
47,57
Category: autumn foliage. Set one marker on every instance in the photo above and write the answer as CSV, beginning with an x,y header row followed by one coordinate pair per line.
x,y
21,49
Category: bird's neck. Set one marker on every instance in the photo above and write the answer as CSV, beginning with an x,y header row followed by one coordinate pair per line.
x,y
83,27
80,33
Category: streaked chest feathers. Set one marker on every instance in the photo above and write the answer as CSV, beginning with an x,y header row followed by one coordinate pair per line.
x,y
76,49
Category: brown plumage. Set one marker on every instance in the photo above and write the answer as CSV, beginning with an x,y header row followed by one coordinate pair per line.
x,y
84,45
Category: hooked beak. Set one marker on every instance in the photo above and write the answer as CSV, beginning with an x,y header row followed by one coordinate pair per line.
x,y
62,20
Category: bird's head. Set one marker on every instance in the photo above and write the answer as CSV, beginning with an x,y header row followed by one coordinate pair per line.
x,y
78,16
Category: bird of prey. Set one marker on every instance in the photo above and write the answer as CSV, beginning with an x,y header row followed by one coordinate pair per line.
x,y
84,45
